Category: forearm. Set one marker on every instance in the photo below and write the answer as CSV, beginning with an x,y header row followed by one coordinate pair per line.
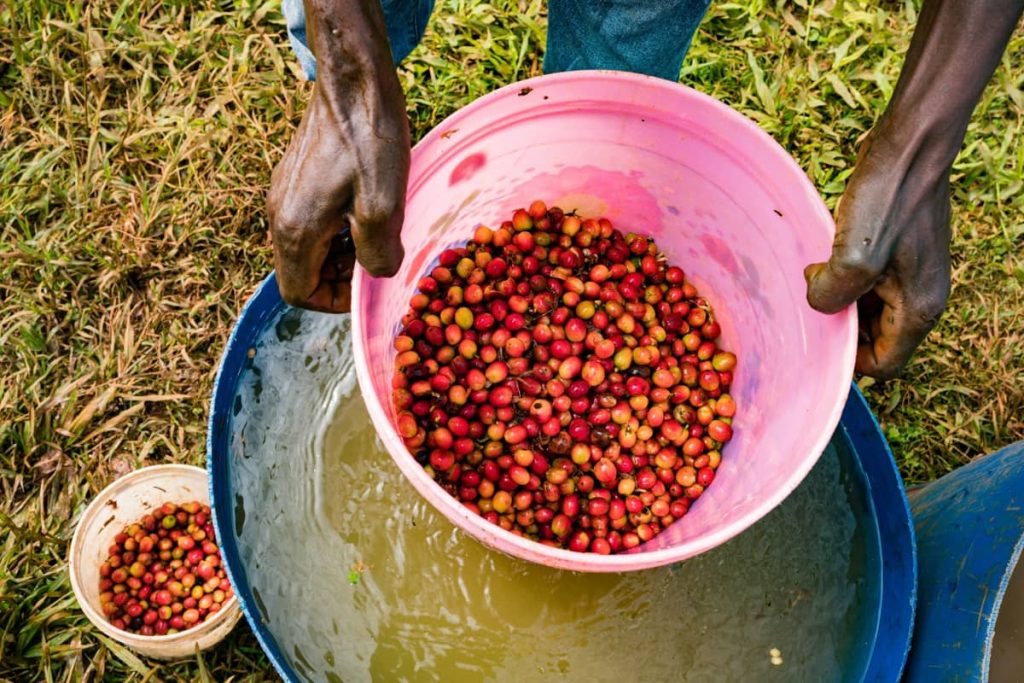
x,y
956,46
350,41
357,89
892,226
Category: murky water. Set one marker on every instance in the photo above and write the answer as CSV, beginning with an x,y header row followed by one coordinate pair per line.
x,y
1007,665
361,580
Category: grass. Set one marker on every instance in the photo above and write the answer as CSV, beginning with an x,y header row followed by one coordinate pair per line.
x,y
137,142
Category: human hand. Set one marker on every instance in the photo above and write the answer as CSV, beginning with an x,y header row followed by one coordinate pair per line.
x,y
890,255
345,168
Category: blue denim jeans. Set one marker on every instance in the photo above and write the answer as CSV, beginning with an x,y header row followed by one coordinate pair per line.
x,y
642,36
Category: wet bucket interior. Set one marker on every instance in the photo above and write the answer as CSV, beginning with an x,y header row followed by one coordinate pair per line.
x,y
345,573
1007,657
1007,654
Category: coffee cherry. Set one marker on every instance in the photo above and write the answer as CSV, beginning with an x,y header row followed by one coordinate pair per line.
x,y
556,375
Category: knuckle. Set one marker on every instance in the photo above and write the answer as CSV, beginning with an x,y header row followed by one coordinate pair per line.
x,y
288,247
381,261
384,268
929,299
378,211
888,369
859,263
379,202
290,295
290,230
285,216
885,365
927,308
297,302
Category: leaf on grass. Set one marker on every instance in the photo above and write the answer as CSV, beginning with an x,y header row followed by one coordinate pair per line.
x,y
843,48
841,89
115,421
155,398
97,404
894,399
764,93
204,674
793,22
96,50
127,657
956,389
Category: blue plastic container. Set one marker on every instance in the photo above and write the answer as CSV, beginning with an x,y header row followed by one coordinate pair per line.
x,y
899,561
885,510
970,533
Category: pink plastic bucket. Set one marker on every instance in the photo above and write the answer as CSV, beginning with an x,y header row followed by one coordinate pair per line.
x,y
723,200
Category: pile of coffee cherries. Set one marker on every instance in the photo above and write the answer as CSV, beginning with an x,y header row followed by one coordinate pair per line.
x,y
164,573
560,379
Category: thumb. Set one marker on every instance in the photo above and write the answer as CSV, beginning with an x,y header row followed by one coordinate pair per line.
x,y
834,285
378,241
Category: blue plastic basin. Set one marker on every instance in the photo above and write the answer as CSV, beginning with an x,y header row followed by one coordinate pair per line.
x,y
888,593
970,535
